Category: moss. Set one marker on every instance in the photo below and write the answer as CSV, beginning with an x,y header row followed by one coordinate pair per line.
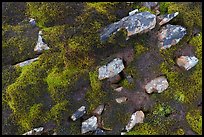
x,y
127,85
143,129
162,110
194,119
139,49
163,6
143,9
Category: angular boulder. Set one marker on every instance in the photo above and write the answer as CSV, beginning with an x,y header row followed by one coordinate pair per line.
x,y
79,113
111,69
187,62
99,110
170,35
27,62
134,23
35,131
166,18
89,125
41,45
158,85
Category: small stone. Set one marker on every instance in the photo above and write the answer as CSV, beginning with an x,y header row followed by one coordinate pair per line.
x,y
158,84
133,12
79,113
32,22
27,62
40,44
111,69
89,125
99,132
129,79
136,117
99,109
187,62
35,131
119,89
121,99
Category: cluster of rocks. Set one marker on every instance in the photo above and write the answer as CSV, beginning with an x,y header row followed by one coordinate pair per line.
x,y
40,46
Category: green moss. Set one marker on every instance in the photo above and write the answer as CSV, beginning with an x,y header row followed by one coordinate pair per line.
x,y
162,110
143,9
163,6
194,119
127,85
139,49
143,129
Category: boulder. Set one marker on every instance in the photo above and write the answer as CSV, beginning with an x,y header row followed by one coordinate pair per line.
x,y
99,110
134,23
41,45
111,69
89,125
187,62
35,131
170,35
79,113
27,62
158,85
167,17
121,99
136,117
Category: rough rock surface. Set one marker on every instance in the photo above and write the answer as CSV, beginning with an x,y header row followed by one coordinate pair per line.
x,y
40,44
121,99
89,125
158,84
79,113
187,62
99,109
134,23
111,69
170,35
27,62
167,17
35,131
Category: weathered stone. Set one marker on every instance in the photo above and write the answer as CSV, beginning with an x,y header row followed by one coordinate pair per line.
x,y
134,23
119,89
136,117
158,84
35,131
79,113
170,35
133,12
99,109
187,62
121,99
40,44
115,79
27,62
111,69
99,132
32,22
130,79
89,125
149,5
167,17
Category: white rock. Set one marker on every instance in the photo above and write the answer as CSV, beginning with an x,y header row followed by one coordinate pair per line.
x,y
187,62
111,69
35,131
79,113
119,89
121,99
89,125
40,44
99,109
27,62
133,12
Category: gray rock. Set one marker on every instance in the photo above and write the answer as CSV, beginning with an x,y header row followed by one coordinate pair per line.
x,y
99,109
79,113
99,132
32,22
133,12
134,23
136,117
35,131
111,69
40,44
121,99
89,125
149,5
187,62
119,89
130,79
27,62
170,35
167,17
158,85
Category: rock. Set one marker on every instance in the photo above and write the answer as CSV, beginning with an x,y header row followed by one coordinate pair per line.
x,y
158,84
99,109
32,22
115,79
187,62
89,125
119,89
170,35
130,79
27,62
167,17
134,23
35,131
99,132
121,99
40,44
79,113
111,69
149,5
136,117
